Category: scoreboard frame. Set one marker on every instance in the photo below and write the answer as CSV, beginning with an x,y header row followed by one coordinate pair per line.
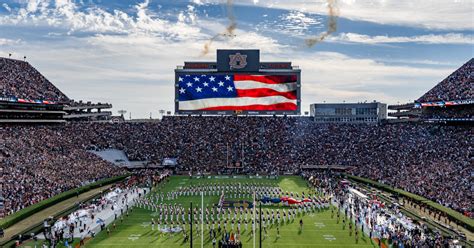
x,y
249,64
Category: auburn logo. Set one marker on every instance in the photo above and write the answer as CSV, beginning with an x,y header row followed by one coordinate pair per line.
x,y
237,61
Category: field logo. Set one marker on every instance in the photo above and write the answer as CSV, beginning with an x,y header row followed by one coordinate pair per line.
x,y
134,237
330,238
237,61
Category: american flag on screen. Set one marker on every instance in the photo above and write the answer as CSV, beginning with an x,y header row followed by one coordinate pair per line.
x,y
237,92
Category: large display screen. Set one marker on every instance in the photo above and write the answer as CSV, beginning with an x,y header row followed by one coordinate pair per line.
x,y
221,93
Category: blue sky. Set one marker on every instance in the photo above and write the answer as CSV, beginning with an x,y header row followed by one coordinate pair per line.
x,y
124,52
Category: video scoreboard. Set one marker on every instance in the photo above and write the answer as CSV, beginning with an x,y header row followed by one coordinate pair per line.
x,y
238,83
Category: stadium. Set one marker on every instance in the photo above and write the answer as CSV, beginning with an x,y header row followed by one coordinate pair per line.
x,y
235,176
266,133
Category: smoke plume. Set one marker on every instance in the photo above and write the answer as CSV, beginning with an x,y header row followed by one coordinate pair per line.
x,y
333,12
229,31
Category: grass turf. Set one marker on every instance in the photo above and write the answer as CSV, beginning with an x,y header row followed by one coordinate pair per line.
x,y
319,229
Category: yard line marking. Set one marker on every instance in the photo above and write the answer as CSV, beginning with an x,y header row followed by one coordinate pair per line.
x,y
134,237
329,237
319,224
146,224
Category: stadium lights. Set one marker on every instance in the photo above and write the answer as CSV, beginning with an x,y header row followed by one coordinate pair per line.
x,y
122,112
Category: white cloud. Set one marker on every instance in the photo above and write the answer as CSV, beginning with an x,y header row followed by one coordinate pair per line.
x,y
417,62
198,2
431,14
4,5
32,5
66,14
5,42
449,38
294,23
328,76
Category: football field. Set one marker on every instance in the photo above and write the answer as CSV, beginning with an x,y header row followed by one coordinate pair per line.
x,y
319,228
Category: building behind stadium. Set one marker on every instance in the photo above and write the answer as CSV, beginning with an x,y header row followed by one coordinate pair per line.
x,y
373,112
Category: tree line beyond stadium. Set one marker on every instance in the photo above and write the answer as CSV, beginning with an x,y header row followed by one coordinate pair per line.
x,y
238,83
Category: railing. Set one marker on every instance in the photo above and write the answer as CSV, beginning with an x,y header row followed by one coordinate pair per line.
x,y
401,106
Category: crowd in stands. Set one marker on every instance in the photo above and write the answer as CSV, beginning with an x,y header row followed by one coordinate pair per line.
x,y
429,160
37,163
21,80
450,112
457,86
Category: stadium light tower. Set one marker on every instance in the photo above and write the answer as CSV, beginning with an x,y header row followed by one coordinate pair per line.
x,y
122,112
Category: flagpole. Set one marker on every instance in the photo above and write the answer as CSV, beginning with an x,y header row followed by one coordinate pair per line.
x,y
191,228
254,220
260,225
202,219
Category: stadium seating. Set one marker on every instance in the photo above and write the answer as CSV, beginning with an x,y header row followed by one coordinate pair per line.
x,y
37,163
457,86
21,80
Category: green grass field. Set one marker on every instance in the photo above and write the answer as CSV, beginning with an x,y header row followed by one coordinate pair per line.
x,y
319,229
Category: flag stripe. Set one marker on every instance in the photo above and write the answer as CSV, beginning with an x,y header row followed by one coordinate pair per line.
x,y
258,107
253,85
279,79
239,101
265,92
